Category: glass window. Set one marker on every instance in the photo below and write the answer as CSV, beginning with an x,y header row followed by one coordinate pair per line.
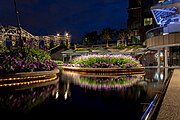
x,y
147,21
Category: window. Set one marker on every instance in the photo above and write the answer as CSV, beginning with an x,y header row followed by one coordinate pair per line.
x,y
147,21
160,1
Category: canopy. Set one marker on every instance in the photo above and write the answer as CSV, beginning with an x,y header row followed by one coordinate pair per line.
x,y
166,12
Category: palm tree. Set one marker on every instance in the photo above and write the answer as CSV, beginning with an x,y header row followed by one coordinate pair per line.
x,y
107,34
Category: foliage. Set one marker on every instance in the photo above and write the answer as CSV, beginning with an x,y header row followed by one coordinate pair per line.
x,y
121,47
25,59
103,81
104,61
108,81
59,62
80,49
91,38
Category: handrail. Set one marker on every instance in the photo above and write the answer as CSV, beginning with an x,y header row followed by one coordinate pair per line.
x,y
155,102
149,109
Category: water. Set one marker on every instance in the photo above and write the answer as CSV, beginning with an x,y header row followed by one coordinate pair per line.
x,y
72,96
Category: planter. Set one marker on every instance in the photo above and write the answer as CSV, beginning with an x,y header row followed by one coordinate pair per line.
x,y
27,78
106,70
28,74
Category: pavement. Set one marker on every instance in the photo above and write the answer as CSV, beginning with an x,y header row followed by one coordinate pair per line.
x,y
170,107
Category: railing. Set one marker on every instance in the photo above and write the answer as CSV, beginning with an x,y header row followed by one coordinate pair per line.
x,y
155,103
154,32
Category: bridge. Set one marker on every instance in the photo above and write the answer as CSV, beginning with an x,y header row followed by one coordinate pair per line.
x,y
9,36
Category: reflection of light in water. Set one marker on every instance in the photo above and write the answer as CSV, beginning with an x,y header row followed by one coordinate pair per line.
x,y
161,76
156,76
57,94
66,92
65,95
102,81
25,99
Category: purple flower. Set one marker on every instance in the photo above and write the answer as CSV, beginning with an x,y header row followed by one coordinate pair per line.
x,y
12,68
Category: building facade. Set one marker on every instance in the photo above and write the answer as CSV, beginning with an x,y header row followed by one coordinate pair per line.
x,y
140,19
165,38
9,36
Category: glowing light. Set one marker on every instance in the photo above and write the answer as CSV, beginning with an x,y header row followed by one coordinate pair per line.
x,y
57,94
52,77
161,76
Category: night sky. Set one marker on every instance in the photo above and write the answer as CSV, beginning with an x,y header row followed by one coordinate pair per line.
x,y
44,17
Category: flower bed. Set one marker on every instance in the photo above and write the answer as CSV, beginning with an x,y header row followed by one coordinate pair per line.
x,y
26,65
104,63
25,59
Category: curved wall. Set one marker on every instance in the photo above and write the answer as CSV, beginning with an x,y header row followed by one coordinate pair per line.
x,y
172,39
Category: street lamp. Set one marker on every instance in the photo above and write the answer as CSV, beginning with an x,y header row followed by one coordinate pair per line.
x,y
18,22
67,39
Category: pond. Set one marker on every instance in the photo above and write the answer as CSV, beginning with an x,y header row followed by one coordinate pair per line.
x,y
77,95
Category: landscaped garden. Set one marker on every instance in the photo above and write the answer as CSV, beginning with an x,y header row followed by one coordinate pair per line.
x,y
26,65
25,59
103,63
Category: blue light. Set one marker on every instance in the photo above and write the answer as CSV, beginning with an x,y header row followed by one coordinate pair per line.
x,y
164,14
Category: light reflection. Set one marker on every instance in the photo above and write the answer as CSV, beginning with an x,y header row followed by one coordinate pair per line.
x,y
67,91
14,100
57,94
101,81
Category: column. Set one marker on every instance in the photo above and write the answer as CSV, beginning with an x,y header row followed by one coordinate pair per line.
x,y
166,57
158,58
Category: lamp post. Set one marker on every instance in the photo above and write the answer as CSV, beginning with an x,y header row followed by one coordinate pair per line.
x,y
18,22
67,40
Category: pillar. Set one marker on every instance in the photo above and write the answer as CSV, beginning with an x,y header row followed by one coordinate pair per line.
x,y
166,57
158,58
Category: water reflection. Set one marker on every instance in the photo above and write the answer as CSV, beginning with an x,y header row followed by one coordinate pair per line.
x,y
23,100
126,97
101,81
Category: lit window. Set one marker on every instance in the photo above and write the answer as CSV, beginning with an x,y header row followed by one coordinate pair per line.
x,y
160,1
147,21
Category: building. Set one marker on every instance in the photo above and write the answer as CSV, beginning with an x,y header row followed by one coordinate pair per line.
x,y
9,36
140,19
165,38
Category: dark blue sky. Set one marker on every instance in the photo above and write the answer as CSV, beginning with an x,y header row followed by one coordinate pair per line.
x,y
43,17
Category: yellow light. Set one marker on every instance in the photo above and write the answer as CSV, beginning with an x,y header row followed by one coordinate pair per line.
x,y
52,77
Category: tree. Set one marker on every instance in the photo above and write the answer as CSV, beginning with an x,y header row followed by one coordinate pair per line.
x,y
91,37
107,34
122,35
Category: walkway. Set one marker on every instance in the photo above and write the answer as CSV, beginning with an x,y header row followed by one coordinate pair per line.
x,y
170,108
